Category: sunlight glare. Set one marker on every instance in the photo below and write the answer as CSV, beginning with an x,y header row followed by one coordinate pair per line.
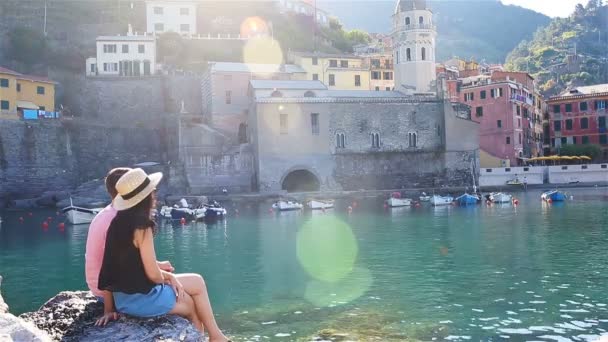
x,y
326,248
263,50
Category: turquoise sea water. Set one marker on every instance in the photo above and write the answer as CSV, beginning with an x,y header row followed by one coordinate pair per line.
x,y
531,272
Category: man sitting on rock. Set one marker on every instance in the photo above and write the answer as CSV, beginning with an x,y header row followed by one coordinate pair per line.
x,y
96,239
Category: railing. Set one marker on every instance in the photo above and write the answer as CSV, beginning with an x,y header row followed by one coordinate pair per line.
x,y
522,99
418,27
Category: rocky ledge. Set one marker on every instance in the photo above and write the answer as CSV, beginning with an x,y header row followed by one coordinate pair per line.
x,y
70,316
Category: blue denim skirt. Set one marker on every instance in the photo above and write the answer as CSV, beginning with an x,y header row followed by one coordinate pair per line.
x,y
159,301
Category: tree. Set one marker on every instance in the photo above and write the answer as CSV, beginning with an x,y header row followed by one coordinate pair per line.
x,y
170,48
357,37
27,46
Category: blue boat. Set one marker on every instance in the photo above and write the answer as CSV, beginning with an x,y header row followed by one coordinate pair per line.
x,y
467,199
553,195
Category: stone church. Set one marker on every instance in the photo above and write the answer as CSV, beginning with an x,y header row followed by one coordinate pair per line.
x,y
305,137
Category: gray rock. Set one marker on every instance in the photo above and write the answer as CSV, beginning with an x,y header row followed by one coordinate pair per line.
x,y
70,317
3,305
15,329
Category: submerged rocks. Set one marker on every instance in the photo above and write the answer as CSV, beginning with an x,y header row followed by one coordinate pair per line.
x,y
70,316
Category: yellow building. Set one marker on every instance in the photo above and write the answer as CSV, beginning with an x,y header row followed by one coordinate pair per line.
x,y
337,72
18,92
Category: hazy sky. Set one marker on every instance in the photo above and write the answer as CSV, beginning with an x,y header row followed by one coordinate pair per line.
x,y
552,8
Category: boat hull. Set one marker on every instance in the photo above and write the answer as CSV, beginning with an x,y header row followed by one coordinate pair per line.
x,y
500,198
76,215
467,199
214,214
399,202
287,206
425,198
442,200
320,205
554,196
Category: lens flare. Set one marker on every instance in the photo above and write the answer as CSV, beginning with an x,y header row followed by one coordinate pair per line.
x,y
353,286
253,27
263,50
326,248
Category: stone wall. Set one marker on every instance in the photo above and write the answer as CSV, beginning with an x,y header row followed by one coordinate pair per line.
x,y
130,100
39,156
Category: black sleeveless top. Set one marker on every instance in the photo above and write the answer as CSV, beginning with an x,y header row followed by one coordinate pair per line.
x,y
122,269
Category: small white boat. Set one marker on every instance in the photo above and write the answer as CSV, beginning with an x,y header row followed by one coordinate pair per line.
x,y
441,200
500,197
424,197
320,204
80,215
398,202
287,205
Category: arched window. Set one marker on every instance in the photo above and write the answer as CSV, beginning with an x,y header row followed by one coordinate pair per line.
x,y
421,20
412,139
375,140
309,93
407,21
276,93
408,54
340,140
423,53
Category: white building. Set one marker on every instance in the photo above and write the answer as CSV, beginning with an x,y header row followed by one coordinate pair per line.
x,y
130,55
171,16
305,7
414,46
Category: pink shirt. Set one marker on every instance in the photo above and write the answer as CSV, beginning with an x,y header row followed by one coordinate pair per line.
x,y
96,244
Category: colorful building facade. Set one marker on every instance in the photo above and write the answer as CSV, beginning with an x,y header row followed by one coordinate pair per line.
x,y
336,71
578,117
509,112
19,92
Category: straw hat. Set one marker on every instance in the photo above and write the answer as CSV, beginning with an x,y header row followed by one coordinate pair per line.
x,y
133,187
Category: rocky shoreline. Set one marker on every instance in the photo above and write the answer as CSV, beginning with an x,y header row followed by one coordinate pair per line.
x,y
70,317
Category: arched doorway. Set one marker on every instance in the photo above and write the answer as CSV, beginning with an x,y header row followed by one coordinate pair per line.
x,y
300,181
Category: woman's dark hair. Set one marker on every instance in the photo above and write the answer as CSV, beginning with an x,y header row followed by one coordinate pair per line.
x,y
127,221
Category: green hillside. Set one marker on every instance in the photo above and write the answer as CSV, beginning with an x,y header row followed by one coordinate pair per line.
x,y
568,52
482,29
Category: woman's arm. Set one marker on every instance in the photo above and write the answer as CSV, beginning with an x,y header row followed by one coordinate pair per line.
x,y
109,311
145,242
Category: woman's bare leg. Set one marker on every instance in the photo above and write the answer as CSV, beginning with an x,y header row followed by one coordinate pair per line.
x,y
195,286
185,307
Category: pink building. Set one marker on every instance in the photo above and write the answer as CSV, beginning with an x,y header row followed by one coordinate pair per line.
x,y
509,114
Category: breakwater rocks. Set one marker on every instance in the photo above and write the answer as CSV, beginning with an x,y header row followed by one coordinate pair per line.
x,y
70,317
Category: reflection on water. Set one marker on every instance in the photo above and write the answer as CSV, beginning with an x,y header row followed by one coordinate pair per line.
x,y
449,272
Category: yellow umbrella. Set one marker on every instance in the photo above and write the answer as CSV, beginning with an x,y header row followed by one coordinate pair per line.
x,y
567,157
585,157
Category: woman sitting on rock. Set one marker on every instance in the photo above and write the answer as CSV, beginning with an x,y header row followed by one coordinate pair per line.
x,y
130,276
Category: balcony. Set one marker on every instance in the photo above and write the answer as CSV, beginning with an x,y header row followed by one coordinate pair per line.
x,y
522,99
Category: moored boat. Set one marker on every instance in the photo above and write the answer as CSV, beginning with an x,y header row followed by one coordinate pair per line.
x,y
398,202
80,215
424,197
437,200
213,212
500,197
467,199
320,204
553,196
515,181
283,205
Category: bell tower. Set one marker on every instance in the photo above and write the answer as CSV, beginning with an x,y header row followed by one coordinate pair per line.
x,y
413,37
